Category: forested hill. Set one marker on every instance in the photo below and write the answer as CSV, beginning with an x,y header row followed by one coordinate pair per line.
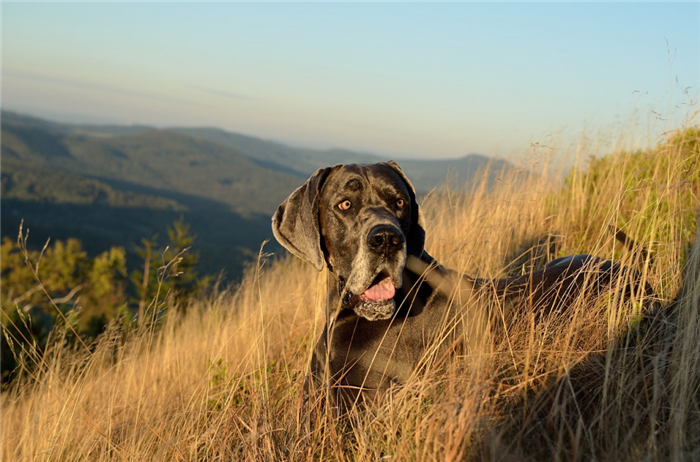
x,y
114,185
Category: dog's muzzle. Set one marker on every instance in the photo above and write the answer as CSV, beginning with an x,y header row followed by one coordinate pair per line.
x,y
371,295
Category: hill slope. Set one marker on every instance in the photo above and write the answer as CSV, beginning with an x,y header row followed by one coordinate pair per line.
x,y
113,185
424,174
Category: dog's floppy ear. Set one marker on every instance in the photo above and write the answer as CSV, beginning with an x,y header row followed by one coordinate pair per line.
x,y
296,223
415,241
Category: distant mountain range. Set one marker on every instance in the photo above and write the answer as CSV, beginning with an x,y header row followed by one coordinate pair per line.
x,y
113,185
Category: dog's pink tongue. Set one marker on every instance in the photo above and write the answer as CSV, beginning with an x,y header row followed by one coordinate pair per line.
x,y
383,290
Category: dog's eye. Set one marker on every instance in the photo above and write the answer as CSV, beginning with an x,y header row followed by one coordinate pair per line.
x,y
345,205
400,203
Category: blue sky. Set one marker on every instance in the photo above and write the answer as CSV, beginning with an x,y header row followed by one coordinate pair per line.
x,y
405,79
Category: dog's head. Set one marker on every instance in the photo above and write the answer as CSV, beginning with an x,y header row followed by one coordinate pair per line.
x,y
361,221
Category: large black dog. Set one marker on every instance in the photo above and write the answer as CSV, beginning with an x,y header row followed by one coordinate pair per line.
x,y
388,300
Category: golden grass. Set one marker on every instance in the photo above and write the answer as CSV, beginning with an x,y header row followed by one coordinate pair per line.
x,y
224,380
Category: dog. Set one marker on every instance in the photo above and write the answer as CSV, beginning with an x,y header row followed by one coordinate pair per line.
x,y
389,301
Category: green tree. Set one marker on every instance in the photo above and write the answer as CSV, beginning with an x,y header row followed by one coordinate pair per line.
x,y
41,289
185,281
145,280
61,283
168,272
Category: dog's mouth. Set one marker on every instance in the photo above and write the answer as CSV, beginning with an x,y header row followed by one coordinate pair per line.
x,y
381,290
376,303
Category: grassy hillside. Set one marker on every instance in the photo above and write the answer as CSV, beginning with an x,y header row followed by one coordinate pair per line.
x,y
28,182
113,188
223,380
28,134
425,174
114,185
155,160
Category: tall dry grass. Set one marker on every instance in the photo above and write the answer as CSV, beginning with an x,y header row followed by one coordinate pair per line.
x,y
224,380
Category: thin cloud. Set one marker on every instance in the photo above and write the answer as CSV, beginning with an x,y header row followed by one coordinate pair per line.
x,y
225,94
94,86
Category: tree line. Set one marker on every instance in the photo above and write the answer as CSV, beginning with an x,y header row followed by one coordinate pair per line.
x,y
60,285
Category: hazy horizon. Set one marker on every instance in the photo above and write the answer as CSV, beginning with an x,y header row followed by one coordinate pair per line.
x,y
410,80
90,121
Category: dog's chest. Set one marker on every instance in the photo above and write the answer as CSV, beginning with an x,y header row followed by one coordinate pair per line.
x,y
390,350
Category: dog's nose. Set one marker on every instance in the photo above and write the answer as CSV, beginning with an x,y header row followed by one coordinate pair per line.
x,y
385,240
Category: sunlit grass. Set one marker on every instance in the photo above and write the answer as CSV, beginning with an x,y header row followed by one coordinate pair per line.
x,y
224,380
